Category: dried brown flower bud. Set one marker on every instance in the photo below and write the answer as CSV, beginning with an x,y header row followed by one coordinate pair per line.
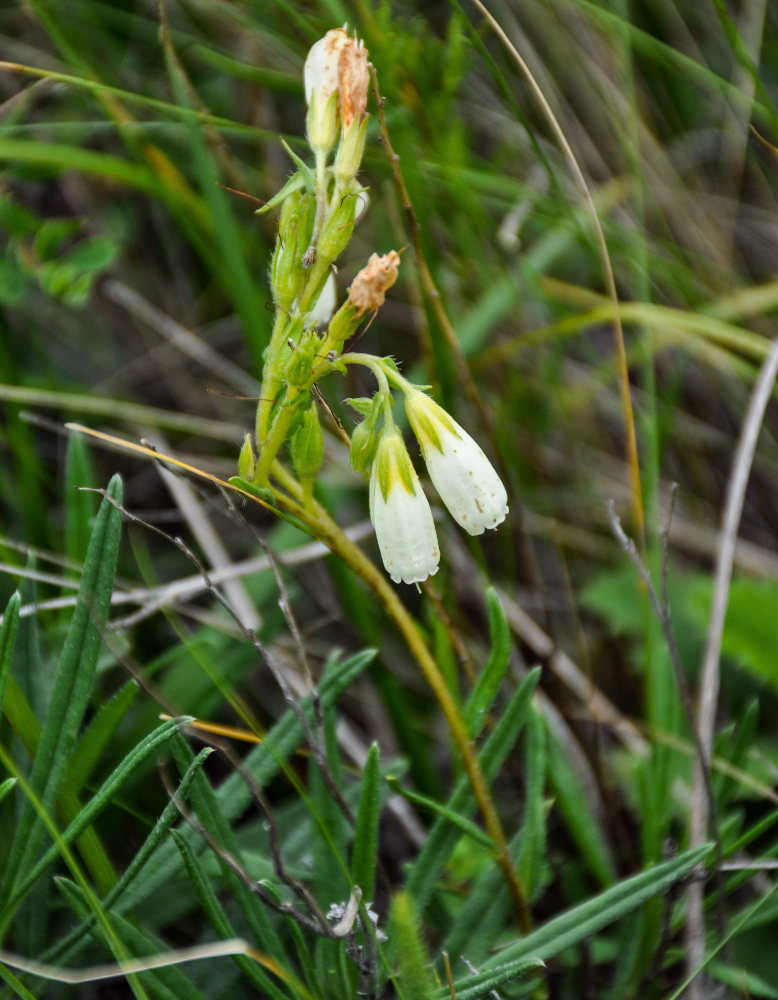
x,y
338,62
368,289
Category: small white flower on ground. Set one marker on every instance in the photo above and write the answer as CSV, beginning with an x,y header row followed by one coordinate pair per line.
x,y
401,514
463,476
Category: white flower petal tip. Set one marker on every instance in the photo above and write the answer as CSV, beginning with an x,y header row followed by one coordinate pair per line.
x,y
322,311
463,476
401,514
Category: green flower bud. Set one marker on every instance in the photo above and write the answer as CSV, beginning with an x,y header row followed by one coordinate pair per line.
x,y
285,272
350,151
304,357
308,445
322,121
343,325
296,221
363,445
247,460
337,229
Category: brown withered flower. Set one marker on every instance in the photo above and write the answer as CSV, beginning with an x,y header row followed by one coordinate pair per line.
x,y
368,289
338,62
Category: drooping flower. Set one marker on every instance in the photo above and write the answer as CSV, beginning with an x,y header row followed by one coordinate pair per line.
x,y
401,514
463,476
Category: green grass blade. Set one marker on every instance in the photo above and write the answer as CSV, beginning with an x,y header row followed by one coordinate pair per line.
x,y
587,918
479,986
90,747
463,824
104,796
163,984
208,808
264,763
485,690
232,263
365,851
443,837
414,974
217,918
64,950
16,985
532,862
6,786
72,681
582,824
79,502
8,630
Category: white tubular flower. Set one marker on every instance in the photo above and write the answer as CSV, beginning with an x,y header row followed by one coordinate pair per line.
x,y
322,311
463,476
401,514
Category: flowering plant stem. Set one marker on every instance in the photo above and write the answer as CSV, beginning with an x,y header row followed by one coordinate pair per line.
x,y
319,523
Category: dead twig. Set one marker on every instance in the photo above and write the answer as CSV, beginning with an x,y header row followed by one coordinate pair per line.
x,y
709,677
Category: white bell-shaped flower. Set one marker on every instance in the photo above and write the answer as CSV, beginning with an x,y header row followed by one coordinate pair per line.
x,y
463,476
401,514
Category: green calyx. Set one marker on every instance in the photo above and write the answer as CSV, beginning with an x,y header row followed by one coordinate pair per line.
x,y
247,460
394,464
350,151
428,419
307,445
337,229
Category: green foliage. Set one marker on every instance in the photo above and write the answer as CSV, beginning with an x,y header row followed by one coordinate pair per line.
x,y
143,290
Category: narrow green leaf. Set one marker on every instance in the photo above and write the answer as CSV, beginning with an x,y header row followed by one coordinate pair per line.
x,y
365,851
20,715
746,983
263,763
79,502
533,846
8,630
218,920
485,690
295,183
591,839
149,746
6,786
231,264
65,949
414,973
743,739
163,984
587,918
72,682
456,819
90,747
443,837
208,808
16,985
479,986
75,896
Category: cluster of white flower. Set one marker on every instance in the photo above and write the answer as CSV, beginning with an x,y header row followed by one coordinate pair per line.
x,y
463,476
318,210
